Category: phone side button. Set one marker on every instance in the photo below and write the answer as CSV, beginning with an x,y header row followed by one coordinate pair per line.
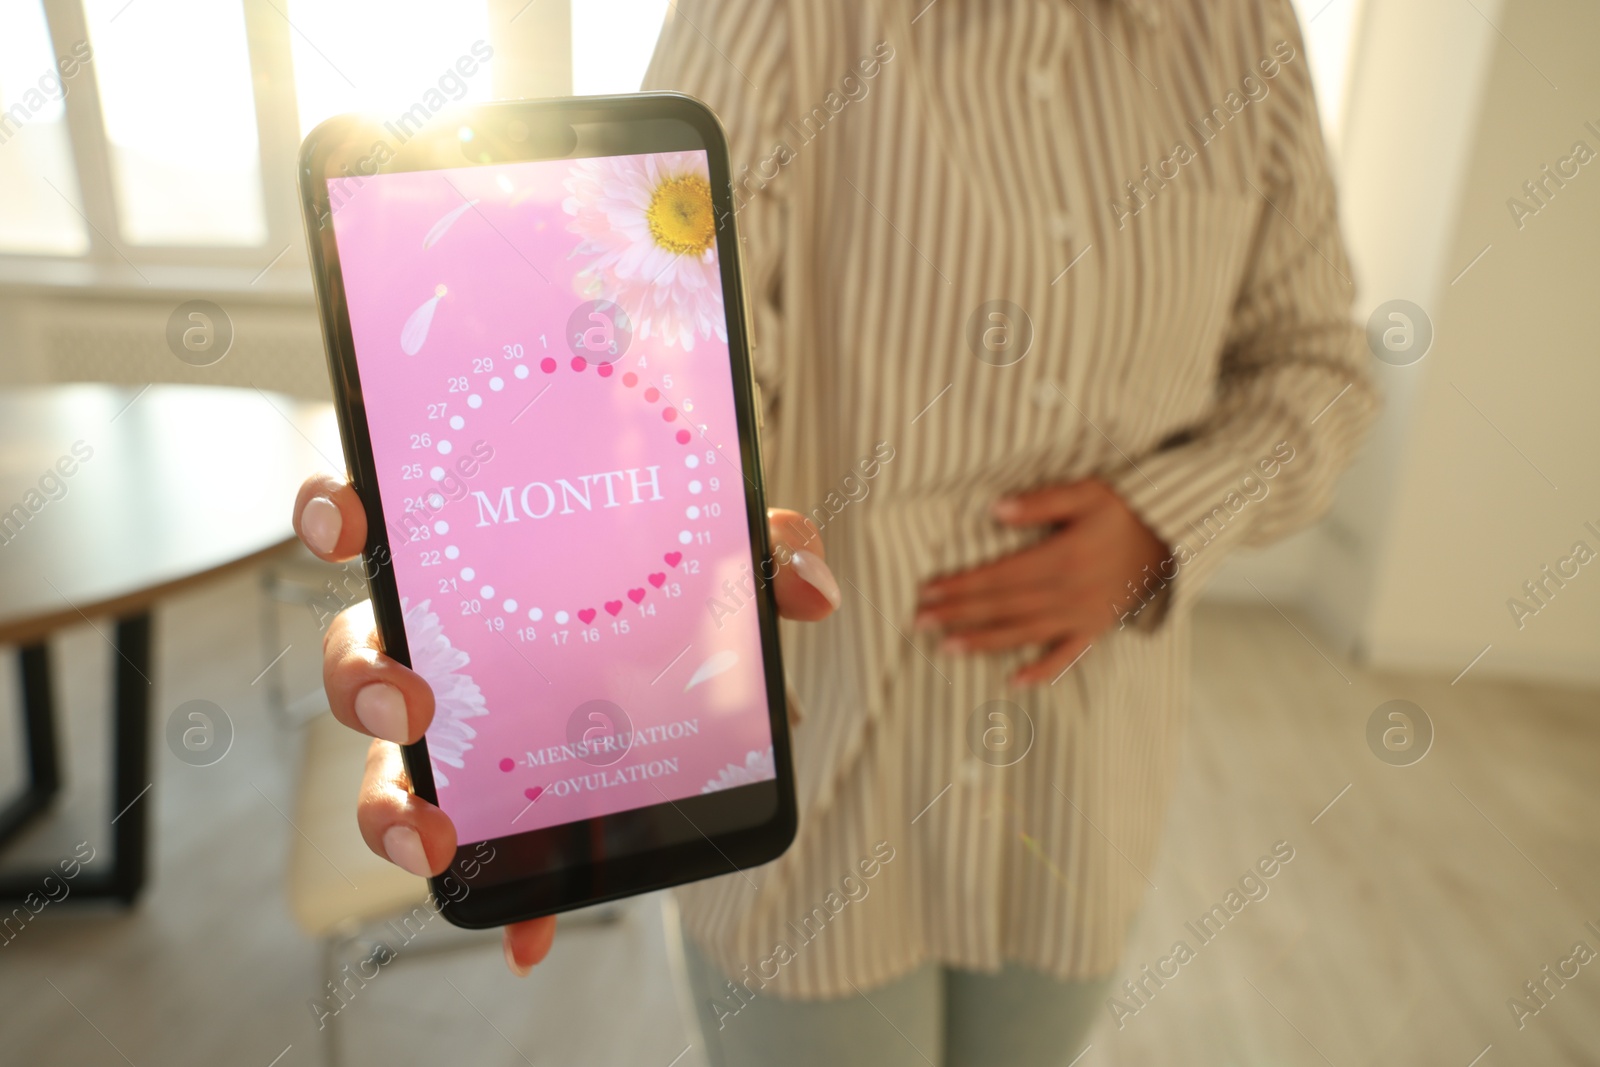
x,y
761,408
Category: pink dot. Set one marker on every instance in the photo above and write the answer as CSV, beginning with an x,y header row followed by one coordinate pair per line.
x,y
630,379
652,394
604,370
547,365
578,363
507,763
683,437
669,414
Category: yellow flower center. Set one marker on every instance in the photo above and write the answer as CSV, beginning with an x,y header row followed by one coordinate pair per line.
x,y
680,216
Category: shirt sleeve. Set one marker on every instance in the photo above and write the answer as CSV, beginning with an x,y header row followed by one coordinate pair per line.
x,y
734,56
1293,394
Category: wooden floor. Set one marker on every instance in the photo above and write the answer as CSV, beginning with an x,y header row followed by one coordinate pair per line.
x,y
1415,906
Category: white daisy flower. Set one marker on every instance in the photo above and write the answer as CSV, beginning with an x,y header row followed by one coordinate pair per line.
x,y
649,223
456,696
757,767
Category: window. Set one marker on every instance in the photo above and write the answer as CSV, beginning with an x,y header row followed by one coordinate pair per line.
x,y
354,55
180,122
38,183
162,134
611,43
146,134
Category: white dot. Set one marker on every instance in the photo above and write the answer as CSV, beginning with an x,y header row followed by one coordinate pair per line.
x,y
486,592
509,605
451,552
694,486
467,574
693,511
474,401
437,474
535,614
444,448
436,501
521,371
561,618
456,422
441,527
684,537
497,383
691,461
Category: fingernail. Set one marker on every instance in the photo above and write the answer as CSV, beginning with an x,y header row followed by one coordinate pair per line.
x,y
382,710
952,646
404,849
816,574
1006,508
511,961
924,621
320,523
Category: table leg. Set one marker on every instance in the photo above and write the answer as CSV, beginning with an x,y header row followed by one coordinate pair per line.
x,y
130,764
39,728
131,779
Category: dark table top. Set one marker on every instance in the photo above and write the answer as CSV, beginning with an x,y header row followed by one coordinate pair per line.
x,y
111,497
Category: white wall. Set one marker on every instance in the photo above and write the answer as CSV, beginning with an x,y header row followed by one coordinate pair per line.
x,y
1399,177
1471,518
1451,107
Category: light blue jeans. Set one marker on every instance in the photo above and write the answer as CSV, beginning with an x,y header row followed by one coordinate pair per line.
x,y
935,1015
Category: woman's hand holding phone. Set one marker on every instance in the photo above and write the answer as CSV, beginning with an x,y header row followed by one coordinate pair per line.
x,y
373,694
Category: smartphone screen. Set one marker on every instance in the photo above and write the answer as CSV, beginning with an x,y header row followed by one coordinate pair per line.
x,y
543,357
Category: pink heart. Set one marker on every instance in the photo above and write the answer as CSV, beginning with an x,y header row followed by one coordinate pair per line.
x,y
612,606
672,558
534,792
636,595
657,578
587,615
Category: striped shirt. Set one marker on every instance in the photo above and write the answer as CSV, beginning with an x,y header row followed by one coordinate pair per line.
x,y
1144,184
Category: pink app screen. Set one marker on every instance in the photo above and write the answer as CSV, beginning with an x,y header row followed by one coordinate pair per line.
x,y
544,364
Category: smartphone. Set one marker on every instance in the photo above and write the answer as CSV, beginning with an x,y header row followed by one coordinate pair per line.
x,y
537,337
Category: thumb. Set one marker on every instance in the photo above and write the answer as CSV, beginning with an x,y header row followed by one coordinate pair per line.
x,y
1052,504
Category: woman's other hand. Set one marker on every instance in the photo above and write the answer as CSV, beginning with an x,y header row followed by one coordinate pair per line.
x,y
1061,593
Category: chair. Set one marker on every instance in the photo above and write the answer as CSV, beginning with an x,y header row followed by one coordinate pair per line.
x,y
339,892
322,590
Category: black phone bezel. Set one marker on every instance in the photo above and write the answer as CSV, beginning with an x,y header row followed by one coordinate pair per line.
x,y
702,835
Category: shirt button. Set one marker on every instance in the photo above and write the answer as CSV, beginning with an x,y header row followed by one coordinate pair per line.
x,y
1042,82
1046,395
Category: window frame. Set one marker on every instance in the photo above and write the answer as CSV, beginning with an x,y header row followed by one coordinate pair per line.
x,y
531,39
109,255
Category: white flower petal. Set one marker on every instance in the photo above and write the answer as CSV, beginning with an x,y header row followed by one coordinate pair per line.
x,y
456,696
670,296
